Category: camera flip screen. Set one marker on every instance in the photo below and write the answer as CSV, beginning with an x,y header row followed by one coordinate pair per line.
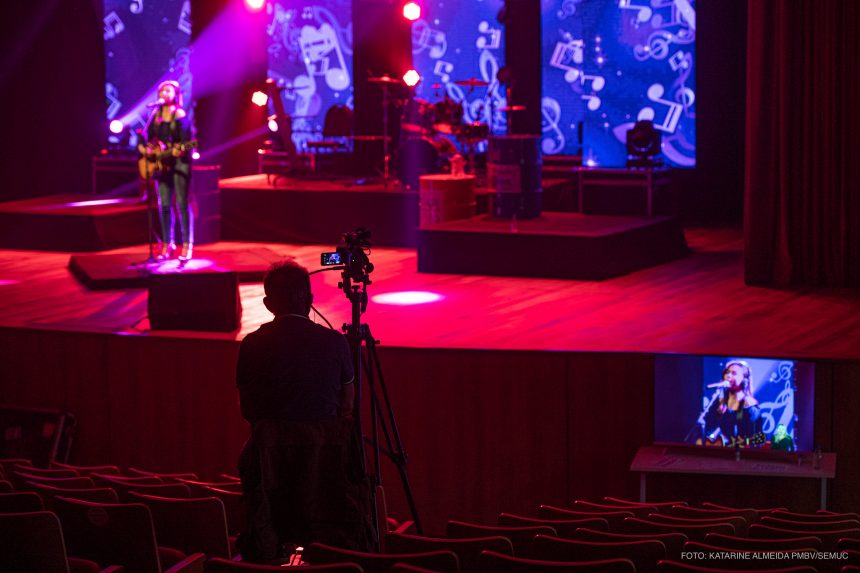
x,y
331,259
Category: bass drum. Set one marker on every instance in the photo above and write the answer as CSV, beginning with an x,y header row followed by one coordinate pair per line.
x,y
417,118
419,156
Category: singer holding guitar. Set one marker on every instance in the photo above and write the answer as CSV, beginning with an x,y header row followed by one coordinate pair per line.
x,y
734,413
167,155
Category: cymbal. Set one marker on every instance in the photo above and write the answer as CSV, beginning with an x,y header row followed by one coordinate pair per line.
x,y
472,83
385,80
513,108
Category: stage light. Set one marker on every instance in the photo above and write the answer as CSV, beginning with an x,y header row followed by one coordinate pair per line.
x,y
259,98
411,78
273,124
195,155
254,5
643,145
411,11
116,127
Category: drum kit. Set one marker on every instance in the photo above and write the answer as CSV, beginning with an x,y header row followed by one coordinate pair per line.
x,y
427,129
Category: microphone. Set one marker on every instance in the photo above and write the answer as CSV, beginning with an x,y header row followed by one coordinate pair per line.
x,y
722,384
156,103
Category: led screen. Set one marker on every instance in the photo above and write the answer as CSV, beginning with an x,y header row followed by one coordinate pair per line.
x,y
310,59
460,40
697,402
607,64
146,42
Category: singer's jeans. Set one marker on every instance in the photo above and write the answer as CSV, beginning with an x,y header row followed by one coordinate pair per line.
x,y
176,182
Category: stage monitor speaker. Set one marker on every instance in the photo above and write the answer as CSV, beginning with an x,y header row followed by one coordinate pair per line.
x,y
195,301
41,436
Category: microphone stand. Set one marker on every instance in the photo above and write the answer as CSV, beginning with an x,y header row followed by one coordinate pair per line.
x,y
150,189
700,422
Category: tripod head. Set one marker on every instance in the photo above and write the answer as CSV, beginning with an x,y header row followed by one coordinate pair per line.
x,y
353,260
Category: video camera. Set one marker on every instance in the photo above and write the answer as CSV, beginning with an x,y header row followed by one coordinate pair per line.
x,y
353,256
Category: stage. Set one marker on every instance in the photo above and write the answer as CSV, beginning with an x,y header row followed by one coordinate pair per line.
x,y
697,304
479,377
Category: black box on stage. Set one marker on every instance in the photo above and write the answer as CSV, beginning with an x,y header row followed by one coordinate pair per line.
x,y
41,436
195,301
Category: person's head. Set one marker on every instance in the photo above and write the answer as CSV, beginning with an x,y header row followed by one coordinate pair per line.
x,y
288,289
170,92
738,374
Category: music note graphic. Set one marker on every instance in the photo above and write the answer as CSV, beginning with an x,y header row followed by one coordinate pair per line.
x,y
673,110
317,47
136,6
424,37
597,84
681,12
113,26
565,55
643,12
112,96
568,8
495,37
679,61
553,139
304,89
184,24
443,69
593,102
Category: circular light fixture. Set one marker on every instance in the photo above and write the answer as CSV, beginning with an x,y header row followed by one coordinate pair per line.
x,y
411,11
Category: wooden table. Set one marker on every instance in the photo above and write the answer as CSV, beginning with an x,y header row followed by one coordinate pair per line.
x,y
682,459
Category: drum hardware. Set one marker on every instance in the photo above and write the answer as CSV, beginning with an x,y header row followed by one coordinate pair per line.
x,y
472,83
385,82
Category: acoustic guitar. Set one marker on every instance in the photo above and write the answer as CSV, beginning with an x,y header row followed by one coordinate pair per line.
x,y
159,157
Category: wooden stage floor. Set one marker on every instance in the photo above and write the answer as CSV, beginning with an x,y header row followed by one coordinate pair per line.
x,y
699,304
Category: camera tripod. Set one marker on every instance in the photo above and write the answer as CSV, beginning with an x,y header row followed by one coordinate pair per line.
x,y
367,368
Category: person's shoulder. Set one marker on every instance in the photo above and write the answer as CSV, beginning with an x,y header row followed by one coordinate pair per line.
x,y
261,332
330,334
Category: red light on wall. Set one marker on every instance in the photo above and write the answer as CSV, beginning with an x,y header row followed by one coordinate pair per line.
x,y
411,11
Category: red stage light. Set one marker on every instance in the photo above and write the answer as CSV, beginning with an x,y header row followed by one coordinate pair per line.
x,y
411,11
259,98
254,5
411,78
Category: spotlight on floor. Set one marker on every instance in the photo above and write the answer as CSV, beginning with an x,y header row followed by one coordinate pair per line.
x,y
411,11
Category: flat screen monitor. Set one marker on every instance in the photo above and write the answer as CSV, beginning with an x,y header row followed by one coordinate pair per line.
x,y
734,400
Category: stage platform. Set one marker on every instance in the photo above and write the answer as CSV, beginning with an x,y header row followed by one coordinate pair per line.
x,y
280,209
553,245
132,270
75,223
269,208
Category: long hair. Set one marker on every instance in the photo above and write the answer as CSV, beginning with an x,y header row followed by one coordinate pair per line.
x,y
747,381
177,89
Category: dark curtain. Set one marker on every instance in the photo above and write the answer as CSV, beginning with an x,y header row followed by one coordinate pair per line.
x,y
802,213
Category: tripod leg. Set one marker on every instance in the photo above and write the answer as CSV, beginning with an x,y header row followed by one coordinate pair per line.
x,y
388,419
